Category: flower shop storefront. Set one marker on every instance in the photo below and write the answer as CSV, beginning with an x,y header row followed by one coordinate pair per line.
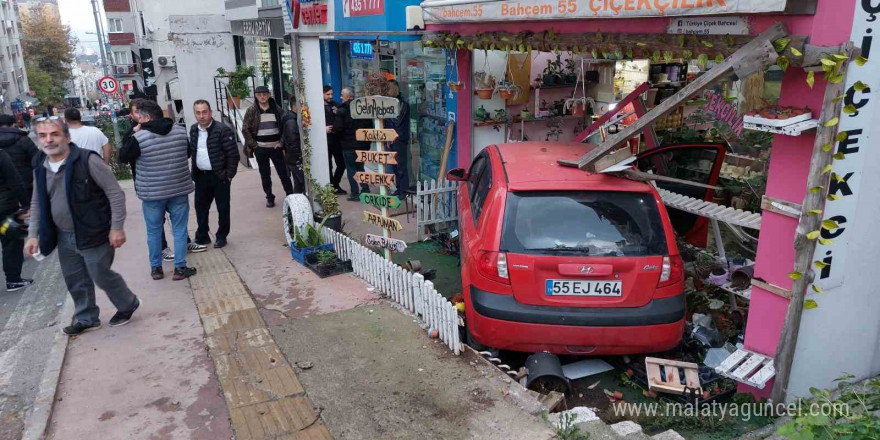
x,y
794,133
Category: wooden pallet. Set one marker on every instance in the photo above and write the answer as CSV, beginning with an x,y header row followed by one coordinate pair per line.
x,y
678,376
789,130
747,367
746,219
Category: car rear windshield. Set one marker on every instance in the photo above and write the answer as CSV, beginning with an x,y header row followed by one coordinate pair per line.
x,y
595,223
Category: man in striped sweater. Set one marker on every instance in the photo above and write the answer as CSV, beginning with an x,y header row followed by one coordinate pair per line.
x,y
262,137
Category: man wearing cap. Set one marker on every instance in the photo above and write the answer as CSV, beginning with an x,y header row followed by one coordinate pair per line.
x,y
262,136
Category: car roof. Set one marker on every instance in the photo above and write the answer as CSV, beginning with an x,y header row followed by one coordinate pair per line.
x,y
533,166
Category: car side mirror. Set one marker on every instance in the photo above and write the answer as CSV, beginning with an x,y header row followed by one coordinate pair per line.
x,y
457,175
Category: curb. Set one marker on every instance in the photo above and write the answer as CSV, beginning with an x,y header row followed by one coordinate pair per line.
x,y
37,420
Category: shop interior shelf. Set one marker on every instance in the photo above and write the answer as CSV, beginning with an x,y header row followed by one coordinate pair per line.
x,y
518,120
790,130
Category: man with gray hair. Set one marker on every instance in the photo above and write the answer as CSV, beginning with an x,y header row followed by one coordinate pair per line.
x,y
79,208
346,128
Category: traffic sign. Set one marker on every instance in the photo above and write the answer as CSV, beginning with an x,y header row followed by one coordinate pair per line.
x,y
108,84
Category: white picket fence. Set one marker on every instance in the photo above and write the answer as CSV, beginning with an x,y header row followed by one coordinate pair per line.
x,y
408,289
436,202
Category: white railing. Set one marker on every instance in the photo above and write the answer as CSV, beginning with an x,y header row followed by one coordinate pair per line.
x,y
436,202
408,289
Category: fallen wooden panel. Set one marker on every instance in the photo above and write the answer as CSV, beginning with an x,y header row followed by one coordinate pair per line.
x,y
754,56
666,376
747,367
610,160
711,210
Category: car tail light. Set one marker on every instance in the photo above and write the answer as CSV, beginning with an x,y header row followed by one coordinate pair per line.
x,y
672,272
493,265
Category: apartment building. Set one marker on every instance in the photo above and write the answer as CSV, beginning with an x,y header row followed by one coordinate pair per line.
x,y
13,78
123,31
49,8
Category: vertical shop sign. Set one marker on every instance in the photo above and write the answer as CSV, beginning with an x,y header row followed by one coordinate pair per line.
x,y
858,127
361,8
149,72
378,108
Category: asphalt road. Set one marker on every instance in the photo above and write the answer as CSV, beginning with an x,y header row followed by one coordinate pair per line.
x,y
29,322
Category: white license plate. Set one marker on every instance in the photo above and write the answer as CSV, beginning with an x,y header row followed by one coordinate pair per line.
x,y
584,288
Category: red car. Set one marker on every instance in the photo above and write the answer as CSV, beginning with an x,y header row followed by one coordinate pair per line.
x,y
561,260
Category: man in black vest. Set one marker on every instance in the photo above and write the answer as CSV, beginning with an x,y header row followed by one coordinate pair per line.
x,y
78,207
215,158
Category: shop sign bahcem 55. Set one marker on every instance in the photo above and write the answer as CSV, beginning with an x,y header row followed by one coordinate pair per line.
x,y
570,9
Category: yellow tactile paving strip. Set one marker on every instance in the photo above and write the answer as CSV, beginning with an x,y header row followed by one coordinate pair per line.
x,y
265,398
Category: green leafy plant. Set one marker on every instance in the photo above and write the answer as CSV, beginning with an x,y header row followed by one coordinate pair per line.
x,y
326,257
326,197
238,80
565,428
850,412
308,236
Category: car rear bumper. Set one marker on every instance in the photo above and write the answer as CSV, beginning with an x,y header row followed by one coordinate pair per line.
x,y
498,321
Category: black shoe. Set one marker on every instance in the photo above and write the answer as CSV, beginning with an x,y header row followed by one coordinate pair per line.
x,y
221,242
12,286
270,203
157,273
340,191
79,328
122,318
181,273
202,241
354,197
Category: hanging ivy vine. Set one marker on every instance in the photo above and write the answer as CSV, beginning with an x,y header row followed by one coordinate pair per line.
x,y
305,122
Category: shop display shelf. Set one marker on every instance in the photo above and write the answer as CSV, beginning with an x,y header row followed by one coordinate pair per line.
x,y
795,129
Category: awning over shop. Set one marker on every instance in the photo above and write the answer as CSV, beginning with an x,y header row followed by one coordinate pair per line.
x,y
456,11
28,100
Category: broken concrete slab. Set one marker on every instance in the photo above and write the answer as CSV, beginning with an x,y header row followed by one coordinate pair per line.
x,y
626,428
581,415
667,435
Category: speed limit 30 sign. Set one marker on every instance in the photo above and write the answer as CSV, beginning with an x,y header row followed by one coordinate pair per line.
x,y
108,84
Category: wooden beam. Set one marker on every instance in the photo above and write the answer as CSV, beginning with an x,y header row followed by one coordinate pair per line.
x,y
813,55
779,206
642,176
772,288
609,160
804,247
753,56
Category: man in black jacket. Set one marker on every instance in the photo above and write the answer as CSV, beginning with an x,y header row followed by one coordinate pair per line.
x,y
292,147
214,153
21,149
346,127
12,201
334,150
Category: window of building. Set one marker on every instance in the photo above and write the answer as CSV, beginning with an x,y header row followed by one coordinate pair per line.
x,y
114,25
270,3
121,58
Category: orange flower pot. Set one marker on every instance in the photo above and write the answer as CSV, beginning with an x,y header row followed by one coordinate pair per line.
x,y
485,93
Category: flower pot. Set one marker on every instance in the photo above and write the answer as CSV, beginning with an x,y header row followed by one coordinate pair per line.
x,y
579,109
234,101
570,78
334,222
506,94
548,80
485,93
456,86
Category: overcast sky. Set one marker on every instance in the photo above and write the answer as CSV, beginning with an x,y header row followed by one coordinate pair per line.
x,y
78,15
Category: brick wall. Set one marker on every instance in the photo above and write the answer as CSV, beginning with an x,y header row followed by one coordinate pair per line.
x,y
120,38
116,6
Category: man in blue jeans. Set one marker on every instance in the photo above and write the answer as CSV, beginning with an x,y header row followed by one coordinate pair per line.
x,y
79,208
163,184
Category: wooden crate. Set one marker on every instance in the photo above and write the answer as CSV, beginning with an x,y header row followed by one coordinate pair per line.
x,y
747,367
678,376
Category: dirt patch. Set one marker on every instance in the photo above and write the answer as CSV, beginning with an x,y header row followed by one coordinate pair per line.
x,y
107,416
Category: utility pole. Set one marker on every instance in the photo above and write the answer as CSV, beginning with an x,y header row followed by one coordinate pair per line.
x,y
98,29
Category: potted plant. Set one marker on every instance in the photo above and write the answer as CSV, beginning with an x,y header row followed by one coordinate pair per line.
x,y
484,85
481,114
525,114
455,86
577,106
570,71
503,117
326,263
552,74
507,90
237,87
306,240
330,215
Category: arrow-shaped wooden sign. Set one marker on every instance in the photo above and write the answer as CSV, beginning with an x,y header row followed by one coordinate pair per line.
x,y
380,201
383,157
376,134
374,107
391,244
382,222
374,178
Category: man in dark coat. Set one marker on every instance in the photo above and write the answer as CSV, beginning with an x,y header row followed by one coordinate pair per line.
x,y
346,127
21,149
400,124
214,153
334,150
292,147
13,201
261,129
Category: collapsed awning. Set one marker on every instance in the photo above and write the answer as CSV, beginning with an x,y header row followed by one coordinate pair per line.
x,y
456,11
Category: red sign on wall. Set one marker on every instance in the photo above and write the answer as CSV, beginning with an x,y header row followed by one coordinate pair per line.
x,y
315,14
360,8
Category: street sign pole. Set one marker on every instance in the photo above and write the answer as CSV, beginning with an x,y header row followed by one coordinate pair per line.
x,y
379,124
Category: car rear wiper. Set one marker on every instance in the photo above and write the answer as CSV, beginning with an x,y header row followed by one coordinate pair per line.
x,y
583,250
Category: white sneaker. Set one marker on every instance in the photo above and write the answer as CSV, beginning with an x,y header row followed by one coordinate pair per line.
x,y
196,248
167,254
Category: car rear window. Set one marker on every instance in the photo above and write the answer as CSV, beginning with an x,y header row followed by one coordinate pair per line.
x,y
595,223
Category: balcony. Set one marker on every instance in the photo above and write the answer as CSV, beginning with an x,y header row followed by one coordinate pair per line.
x,y
116,6
120,38
4,78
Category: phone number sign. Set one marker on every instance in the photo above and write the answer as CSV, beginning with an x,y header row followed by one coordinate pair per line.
x,y
361,8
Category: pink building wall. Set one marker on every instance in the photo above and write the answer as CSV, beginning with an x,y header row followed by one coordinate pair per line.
x,y
789,164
